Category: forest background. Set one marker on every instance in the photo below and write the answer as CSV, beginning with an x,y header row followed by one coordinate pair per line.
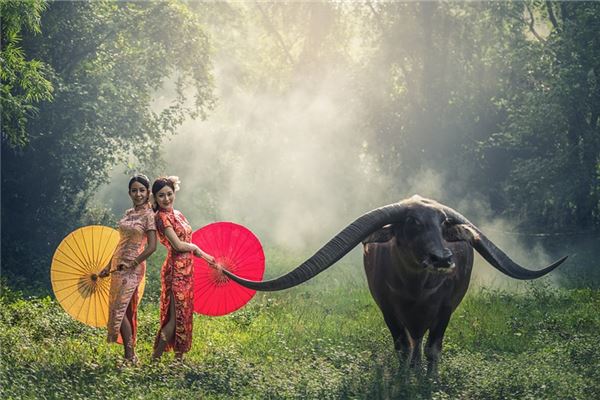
x,y
308,115
293,118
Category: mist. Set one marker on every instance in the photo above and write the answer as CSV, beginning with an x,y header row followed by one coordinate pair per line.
x,y
298,165
295,169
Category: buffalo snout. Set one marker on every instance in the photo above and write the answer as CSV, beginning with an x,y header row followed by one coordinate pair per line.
x,y
438,259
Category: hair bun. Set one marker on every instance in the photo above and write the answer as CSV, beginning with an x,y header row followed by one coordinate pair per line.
x,y
175,181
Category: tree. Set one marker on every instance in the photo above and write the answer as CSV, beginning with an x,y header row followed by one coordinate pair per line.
x,y
24,82
109,60
550,139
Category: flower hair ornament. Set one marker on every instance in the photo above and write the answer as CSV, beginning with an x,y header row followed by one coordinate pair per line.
x,y
175,181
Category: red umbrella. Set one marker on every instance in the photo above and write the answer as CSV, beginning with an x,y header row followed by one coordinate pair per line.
x,y
237,250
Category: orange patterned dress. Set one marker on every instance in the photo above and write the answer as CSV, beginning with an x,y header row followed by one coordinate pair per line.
x,y
124,284
177,277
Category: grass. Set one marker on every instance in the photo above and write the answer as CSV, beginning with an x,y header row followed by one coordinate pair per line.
x,y
325,339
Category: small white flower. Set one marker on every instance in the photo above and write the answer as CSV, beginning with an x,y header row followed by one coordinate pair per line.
x,y
175,180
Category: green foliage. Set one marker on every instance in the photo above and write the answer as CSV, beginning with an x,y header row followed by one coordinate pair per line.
x,y
24,82
108,61
550,137
498,98
313,342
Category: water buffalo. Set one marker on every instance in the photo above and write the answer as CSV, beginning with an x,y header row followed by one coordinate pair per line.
x,y
418,256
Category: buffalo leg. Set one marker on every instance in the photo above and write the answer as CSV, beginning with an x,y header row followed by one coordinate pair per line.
x,y
402,342
415,359
433,348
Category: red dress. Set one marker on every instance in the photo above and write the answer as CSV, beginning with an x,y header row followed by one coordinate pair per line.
x,y
176,276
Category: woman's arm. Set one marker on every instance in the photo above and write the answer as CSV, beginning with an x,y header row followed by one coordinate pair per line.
x,y
178,245
184,247
148,250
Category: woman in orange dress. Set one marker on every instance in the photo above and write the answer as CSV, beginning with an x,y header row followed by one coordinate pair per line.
x,y
137,230
177,296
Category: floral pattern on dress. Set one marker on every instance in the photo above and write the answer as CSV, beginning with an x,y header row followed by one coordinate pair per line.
x,y
124,284
176,277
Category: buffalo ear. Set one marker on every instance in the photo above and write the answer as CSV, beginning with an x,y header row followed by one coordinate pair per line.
x,y
459,233
382,235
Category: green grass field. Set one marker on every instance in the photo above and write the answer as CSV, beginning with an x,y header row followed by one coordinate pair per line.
x,y
324,339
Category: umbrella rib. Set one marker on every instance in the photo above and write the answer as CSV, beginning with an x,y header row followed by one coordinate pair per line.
x,y
67,296
96,298
225,304
204,300
100,254
225,241
94,252
68,287
244,255
205,285
236,294
100,305
80,255
256,264
207,301
89,298
104,308
74,266
243,252
78,263
68,262
97,253
91,301
80,309
104,297
239,248
217,242
86,253
66,279
106,242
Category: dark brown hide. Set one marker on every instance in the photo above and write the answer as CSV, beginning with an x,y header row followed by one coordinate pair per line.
x,y
414,299
418,256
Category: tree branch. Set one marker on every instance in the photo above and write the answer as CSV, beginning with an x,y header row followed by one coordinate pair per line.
x,y
271,28
377,17
531,24
552,16
84,52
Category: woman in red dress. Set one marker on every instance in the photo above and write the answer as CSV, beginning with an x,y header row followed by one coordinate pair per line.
x,y
177,296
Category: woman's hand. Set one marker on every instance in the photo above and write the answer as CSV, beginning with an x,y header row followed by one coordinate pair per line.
x,y
105,272
206,257
124,266
213,264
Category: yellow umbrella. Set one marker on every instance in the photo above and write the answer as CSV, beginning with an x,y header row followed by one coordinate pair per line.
x,y
74,273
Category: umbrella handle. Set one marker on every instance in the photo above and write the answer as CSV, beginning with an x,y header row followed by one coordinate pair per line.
x,y
97,276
